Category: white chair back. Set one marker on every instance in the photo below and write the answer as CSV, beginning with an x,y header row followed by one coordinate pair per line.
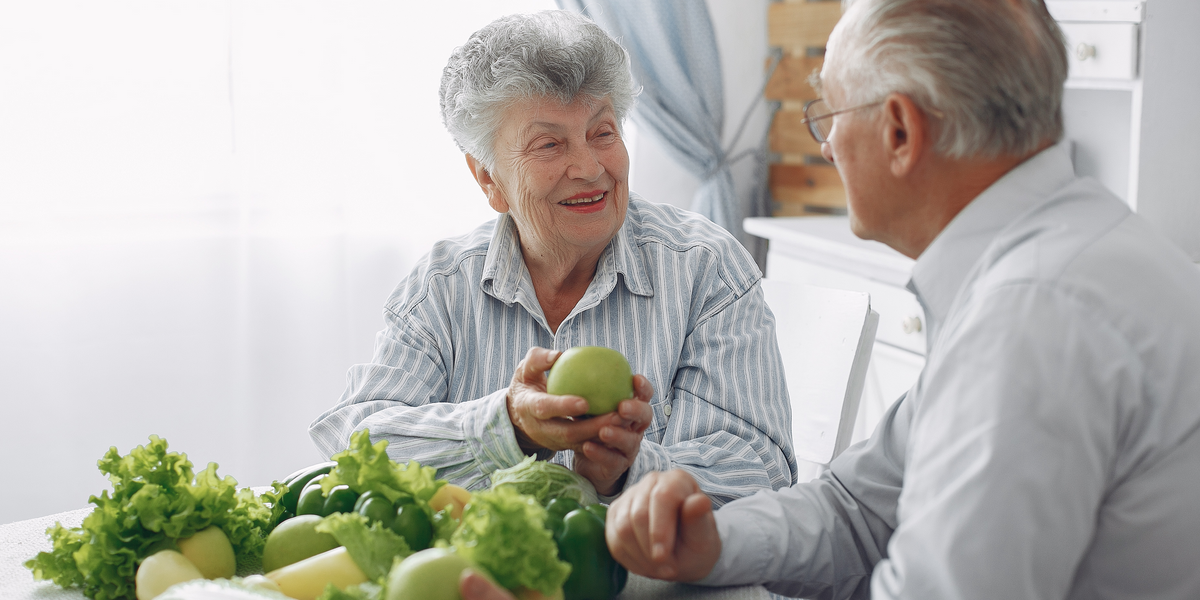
x,y
825,337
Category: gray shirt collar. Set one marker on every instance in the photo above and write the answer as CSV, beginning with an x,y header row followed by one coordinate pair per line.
x,y
941,270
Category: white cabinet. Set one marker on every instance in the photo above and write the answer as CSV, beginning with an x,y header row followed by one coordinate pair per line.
x,y
822,251
1129,105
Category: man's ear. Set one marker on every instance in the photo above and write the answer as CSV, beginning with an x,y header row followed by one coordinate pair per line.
x,y
488,184
905,134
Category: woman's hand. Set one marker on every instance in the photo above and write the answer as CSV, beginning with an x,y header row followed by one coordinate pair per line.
x,y
606,460
604,446
663,527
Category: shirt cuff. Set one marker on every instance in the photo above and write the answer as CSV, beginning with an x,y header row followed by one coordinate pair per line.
x,y
488,432
744,545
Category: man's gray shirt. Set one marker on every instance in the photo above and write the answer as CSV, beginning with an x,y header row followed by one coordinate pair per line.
x,y
1049,449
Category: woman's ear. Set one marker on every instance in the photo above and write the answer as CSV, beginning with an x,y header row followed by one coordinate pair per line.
x,y
906,131
490,187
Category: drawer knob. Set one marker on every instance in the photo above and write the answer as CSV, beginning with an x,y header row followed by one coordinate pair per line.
x,y
911,324
1085,51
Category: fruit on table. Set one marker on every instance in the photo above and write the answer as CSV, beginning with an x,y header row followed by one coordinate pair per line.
x,y
450,495
294,540
209,549
412,523
306,579
376,508
296,482
599,375
430,574
162,570
314,501
579,533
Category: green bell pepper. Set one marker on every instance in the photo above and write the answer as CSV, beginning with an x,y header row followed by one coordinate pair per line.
x,y
579,533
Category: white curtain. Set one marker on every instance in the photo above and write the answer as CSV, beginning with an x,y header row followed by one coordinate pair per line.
x,y
203,206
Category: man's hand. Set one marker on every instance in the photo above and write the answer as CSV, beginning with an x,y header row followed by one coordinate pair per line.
x,y
474,586
604,446
663,527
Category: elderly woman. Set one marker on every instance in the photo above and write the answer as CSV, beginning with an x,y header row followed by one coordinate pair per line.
x,y
536,103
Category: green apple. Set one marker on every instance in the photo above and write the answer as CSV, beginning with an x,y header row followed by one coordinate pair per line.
x,y
211,552
599,375
430,574
162,570
294,540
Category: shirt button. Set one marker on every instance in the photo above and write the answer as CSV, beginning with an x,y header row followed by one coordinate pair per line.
x,y
667,410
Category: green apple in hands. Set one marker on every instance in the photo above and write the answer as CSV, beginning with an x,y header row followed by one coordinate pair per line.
x,y
597,374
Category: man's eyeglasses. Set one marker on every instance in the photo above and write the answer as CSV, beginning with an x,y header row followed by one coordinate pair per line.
x,y
818,117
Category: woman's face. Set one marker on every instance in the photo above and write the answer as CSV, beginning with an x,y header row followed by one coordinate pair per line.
x,y
561,172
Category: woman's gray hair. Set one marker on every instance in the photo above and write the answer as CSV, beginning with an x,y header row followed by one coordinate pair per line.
x,y
551,54
992,71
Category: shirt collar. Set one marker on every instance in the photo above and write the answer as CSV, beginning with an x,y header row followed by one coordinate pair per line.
x,y
941,269
506,278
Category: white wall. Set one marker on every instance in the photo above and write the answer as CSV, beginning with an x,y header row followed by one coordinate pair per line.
x,y
203,205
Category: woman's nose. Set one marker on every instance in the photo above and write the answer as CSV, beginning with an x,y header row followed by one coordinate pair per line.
x,y
585,165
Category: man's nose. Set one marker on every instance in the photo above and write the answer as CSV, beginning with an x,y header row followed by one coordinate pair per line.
x,y
827,152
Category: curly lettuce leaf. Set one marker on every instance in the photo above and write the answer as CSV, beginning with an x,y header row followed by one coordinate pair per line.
x,y
503,532
373,547
365,466
546,481
156,499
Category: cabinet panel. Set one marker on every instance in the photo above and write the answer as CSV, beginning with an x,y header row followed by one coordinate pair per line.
x,y
1101,50
901,318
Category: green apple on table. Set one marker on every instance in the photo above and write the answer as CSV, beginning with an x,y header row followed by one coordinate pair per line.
x,y
599,375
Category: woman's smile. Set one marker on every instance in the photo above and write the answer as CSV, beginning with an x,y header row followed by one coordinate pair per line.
x,y
586,202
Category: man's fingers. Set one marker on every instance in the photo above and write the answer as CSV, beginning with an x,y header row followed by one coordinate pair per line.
x,y
664,518
636,413
474,586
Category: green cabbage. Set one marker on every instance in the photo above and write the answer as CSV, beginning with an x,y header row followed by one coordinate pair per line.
x,y
545,481
504,533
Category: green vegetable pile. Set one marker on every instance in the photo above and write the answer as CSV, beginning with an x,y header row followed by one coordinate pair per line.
x,y
156,499
538,528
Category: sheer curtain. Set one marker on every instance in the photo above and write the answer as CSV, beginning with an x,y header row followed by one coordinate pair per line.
x,y
203,205
675,58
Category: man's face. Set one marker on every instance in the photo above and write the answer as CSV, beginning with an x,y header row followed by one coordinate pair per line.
x,y
856,147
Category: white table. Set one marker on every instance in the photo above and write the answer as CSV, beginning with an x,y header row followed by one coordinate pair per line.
x,y
22,540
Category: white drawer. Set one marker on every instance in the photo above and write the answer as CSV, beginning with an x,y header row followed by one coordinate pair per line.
x,y
901,318
1101,50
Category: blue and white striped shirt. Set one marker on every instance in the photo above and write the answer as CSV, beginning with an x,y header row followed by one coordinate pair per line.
x,y
677,295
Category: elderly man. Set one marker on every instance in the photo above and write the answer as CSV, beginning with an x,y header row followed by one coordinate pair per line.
x,y
1051,446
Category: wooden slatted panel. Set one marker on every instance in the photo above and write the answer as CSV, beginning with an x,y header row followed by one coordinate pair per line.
x,y
801,24
790,136
798,186
790,80
803,186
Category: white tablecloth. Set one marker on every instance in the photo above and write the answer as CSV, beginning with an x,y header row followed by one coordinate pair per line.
x,y
22,540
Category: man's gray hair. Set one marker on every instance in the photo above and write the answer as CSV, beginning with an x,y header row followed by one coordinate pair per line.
x,y
550,54
990,71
